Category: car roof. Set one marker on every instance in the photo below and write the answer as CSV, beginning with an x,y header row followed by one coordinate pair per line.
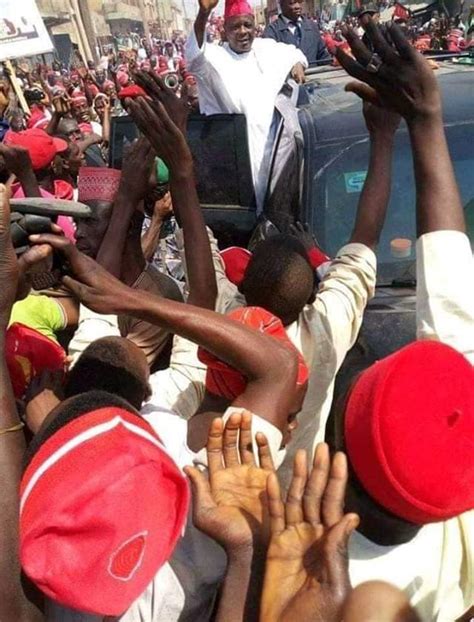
x,y
336,113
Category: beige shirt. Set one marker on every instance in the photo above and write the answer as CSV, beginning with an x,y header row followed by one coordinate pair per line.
x,y
324,333
436,568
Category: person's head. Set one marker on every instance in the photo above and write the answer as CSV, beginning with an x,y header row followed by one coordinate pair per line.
x,y
70,127
75,78
279,278
99,105
85,495
42,147
110,90
97,187
168,49
80,108
406,424
240,32
72,159
111,364
375,600
291,9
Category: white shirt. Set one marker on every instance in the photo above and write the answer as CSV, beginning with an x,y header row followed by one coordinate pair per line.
x,y
244,83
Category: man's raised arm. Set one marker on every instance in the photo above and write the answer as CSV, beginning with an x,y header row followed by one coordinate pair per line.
x,y
14,604
205,9
269,367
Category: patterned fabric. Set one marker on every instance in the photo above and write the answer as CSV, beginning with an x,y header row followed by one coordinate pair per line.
x,y
98,183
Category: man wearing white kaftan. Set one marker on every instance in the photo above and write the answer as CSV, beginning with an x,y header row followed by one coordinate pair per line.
x,y
246,79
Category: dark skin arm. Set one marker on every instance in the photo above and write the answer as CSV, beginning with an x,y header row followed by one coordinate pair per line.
x,y
17,160
231,507
270,368
151,237
133,183
61,107
164,122
205,9
382,125
375,195
406,84
14,604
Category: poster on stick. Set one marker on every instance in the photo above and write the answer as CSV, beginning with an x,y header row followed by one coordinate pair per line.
x,y
22,31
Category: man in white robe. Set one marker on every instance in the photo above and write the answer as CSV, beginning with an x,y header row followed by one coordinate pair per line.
x,y
244,76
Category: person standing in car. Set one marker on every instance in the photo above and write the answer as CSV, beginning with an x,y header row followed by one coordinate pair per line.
x,y
244,76
295,28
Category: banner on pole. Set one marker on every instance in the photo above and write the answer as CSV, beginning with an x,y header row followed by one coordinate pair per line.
x,y
22,31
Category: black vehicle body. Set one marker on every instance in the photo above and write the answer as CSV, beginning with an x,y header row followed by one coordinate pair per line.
x,y
336,153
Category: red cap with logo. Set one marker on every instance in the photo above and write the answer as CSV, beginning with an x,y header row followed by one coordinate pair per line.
x,y
409,430
223,380
41,146
102,506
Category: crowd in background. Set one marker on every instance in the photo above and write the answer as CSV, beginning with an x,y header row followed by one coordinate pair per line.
x,y
152,383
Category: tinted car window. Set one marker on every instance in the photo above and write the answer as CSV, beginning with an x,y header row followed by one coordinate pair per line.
x,y
339,172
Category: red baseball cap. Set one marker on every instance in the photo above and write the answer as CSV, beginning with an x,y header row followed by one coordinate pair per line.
x,y
41,146
409,430
236,260
28,354
223,380
102,506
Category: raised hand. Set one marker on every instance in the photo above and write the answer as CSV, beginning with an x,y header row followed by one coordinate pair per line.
x,y
61,105
165,137
380,120
206,6
231,506
136,168
8,262
17,159
94,286
396,76
304,235
176,107
306,576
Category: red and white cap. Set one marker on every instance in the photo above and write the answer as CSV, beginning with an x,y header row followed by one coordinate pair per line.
x,y
102,506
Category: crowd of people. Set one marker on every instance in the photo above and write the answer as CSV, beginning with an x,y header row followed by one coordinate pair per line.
x,y
152,383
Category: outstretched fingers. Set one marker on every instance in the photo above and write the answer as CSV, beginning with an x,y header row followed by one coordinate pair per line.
x,y
231,440
334,495
316,485
214,447
276,507
294,502
245,440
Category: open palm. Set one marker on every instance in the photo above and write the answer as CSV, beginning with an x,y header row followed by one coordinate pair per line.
x,y
306,575
231,506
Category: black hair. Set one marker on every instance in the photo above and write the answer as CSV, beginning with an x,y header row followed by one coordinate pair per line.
x,y
279,277
105,366
72,409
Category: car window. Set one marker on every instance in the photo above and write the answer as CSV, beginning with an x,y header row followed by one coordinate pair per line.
x,y
339,181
